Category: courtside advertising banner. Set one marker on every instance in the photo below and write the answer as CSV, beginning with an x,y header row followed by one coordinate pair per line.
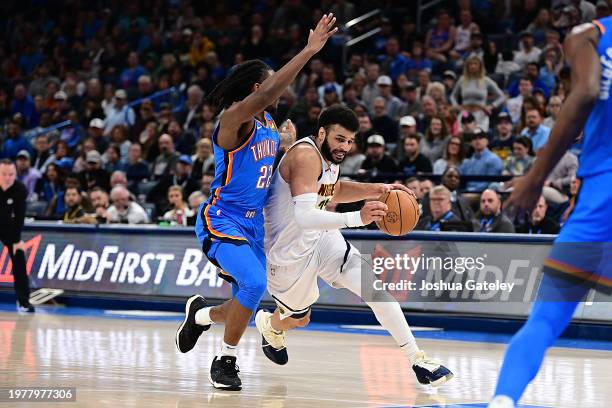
x,y
493,278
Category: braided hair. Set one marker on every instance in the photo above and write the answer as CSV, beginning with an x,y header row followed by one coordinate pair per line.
x,y
238,84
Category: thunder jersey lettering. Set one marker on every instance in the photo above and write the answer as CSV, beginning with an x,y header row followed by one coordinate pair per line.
x,y
596,156
243,175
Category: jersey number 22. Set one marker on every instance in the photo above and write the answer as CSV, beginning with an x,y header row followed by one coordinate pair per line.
x,y
265,176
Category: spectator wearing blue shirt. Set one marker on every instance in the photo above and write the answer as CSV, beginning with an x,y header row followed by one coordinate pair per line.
x,y
15,141
28,175
417,61
394,63
112,159
328,76
532,71
129,77
535,130
136,169
73,134
482,163
51,183
553,62
23,104
29,59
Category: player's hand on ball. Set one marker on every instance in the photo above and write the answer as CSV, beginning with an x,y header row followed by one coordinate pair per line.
x,y
319,36
373,211
398,186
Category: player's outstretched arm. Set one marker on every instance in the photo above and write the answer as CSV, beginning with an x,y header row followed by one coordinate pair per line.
x,y
351,191
581,52
273,87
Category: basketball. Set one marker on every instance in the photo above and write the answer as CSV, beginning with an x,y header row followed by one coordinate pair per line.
x,y
402,214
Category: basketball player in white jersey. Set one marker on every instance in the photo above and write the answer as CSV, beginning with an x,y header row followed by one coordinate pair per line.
x,y
303,241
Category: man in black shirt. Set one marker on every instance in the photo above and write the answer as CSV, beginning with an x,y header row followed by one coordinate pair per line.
x,y
490,216
382,123
94,175
308,126
539,223
377,161
12,213
414,161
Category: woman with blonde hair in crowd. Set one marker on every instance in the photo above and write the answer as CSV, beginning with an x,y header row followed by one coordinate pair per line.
x,y
474,89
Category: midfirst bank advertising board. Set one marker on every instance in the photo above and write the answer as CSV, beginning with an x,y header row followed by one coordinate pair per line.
x,y
484,277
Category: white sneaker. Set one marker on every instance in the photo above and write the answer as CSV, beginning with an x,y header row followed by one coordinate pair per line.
x,y
272,342
430,372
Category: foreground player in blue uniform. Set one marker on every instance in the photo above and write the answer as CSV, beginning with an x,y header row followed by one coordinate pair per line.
x,y
577,262
230,225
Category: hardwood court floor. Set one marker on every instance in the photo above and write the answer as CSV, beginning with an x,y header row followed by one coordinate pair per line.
x,y
133,363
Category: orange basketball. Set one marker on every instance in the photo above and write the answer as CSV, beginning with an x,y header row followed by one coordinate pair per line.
x,y
402,214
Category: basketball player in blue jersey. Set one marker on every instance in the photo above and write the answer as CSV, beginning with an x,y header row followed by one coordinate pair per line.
x,y
230,225
577,261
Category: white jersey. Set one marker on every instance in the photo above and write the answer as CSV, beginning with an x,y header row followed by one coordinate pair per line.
x,y
285,242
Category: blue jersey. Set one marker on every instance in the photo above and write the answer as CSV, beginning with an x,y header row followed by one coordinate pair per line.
x,y
243,175
596,156
234,211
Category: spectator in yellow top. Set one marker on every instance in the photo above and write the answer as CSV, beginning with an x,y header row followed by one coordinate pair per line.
x,y
200,46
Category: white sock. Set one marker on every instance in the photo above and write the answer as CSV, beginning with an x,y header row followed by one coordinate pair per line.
x,y
227,350
391,317
502,401
412,350
386,309
202,317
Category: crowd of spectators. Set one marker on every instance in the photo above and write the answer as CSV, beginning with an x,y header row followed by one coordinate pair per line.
x,y
103,104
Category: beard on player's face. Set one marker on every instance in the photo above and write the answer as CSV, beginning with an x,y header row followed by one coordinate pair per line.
x,y
335,156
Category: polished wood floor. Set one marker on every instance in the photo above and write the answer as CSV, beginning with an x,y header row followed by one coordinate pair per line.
x,y
134,363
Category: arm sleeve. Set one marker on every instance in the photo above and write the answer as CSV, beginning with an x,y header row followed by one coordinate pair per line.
x,y
309,217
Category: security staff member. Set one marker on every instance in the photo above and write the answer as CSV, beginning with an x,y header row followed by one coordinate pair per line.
x,y
12,213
